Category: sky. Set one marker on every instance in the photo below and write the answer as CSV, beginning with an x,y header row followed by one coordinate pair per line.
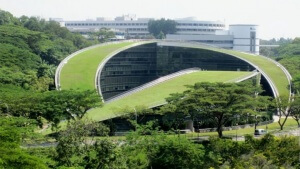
x,y
276,18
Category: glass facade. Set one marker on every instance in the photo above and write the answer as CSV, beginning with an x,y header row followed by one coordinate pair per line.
x,y
141,64
128,69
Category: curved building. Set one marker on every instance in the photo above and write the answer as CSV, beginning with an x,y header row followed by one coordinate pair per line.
x,y
118,68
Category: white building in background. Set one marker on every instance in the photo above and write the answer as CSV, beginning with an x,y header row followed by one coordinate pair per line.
x,y
238,37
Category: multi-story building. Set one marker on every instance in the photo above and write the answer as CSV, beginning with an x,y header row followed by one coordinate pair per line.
x,y
237,37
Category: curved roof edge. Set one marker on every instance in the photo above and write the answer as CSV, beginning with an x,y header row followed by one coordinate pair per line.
x,y
213,48
171,43
106,59
65,60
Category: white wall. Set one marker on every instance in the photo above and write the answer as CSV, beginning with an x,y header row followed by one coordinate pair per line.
x,y
242,38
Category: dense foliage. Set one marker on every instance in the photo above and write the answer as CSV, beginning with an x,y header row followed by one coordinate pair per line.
x,y
12,131
102,35
288,54
166,150
217,102
31,48
53,106
159,28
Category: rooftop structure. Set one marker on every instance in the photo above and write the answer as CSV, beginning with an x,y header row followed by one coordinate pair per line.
x,y
123,70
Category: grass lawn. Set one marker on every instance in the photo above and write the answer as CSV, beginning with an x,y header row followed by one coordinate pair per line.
x,y
157,94
80,71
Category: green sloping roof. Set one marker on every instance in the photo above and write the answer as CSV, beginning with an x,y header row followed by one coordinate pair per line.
x,y
80,71
273,70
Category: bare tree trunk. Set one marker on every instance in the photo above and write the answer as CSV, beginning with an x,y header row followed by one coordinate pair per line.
x,y
282,124
255,125
220,130
220,126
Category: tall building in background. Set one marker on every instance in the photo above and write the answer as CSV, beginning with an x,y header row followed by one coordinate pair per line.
x,y
237,37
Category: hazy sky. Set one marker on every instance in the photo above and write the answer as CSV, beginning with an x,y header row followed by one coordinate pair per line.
x,y
276,18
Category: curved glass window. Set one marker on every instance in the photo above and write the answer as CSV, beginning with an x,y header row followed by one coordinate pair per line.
x,y
141,64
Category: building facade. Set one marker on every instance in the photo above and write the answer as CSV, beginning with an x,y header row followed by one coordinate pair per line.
x,y
238,37
138,65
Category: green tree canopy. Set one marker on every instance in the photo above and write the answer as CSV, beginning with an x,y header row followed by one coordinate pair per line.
x,y
220,102
103,35
159,28
12,131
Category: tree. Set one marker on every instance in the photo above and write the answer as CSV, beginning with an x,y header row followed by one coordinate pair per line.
x,y
73,141
178,153
103,35
108,155
67,104
82,101
33,23
173,118
7,18
295,109
161,151
159,28
220,102
283,108
12,131
296,84
161,35
54,106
